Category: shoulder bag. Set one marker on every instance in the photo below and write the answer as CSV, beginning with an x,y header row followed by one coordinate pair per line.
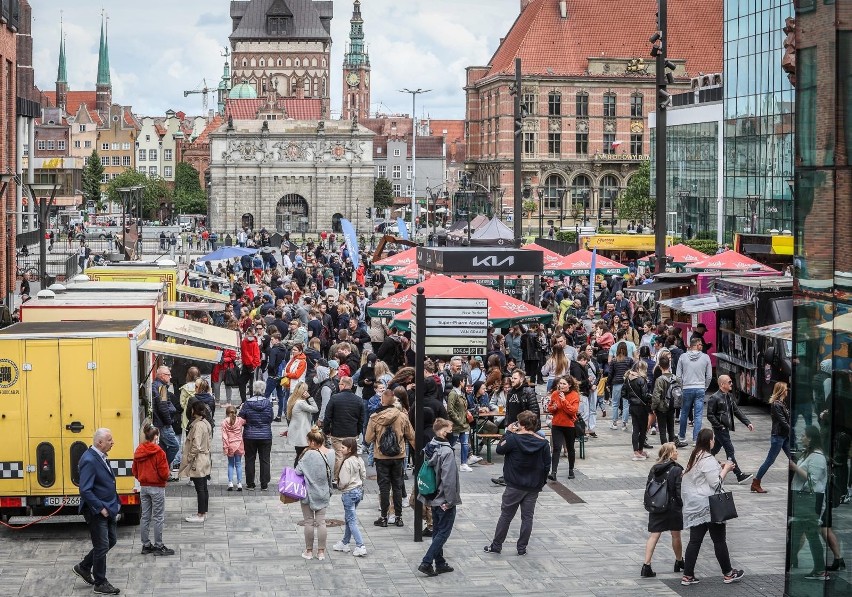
x,y
805,502
722,506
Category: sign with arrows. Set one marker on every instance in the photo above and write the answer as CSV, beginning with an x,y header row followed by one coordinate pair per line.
x,y
452,327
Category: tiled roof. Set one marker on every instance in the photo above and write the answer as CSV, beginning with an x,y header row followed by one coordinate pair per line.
x,y
243,109
215,123
427,147
550,45
391,126
73,99
304,109
454,128
296,109
161,130
307,24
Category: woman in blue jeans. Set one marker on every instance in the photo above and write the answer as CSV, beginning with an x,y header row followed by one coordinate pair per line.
x,y
620,365
350,481
780,437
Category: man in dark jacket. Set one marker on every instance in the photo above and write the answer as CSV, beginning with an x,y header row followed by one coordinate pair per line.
x,y
531,352
527,461
521,397
257,434
344,418
579,370
721,410
391,351
164,412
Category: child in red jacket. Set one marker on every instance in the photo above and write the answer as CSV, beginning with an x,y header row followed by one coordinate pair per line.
x,y
152,471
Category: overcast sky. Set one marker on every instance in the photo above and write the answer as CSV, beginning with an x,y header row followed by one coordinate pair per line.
x,y
159,48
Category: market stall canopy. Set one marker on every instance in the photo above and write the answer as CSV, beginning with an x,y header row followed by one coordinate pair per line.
x,y
227,253
579,263
402,259
185,329
183,351
459,228
207,295
699,303
407,275
680,255
192,306
783,330
727,261
493,234
549,256
390,306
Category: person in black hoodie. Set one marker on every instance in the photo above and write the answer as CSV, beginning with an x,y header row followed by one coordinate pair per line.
x,y
202,394
671,520
276,354
527,462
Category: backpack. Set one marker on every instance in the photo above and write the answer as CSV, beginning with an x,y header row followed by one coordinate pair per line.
x,y
389,443
427,481
656,497
674,393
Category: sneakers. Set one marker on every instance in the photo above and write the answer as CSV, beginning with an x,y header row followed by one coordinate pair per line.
x,y
277,419
239,486
681,444
381,522
308,555
427,570
391,519
230,487
593,434
84,574
163,551
465,468
427,532
498,480
106,589
614,426
146,549
443,569
341,546
637,456
399,522
624,426
653,431
474,459
743,477
570,474
552,477
816,575
689,580
195,518
359,552
733,576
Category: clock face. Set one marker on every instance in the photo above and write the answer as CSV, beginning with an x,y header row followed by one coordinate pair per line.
x,y
353,79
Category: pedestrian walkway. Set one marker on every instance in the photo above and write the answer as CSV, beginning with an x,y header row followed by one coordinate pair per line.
x,y
251,543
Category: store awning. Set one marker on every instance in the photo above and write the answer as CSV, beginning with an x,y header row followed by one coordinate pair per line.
x,y
841,323
184,351
783,330
655,286
190,306
175,327
203,294
699,303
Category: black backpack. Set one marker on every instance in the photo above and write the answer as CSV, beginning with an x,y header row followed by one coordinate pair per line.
x,y
389,443
656,497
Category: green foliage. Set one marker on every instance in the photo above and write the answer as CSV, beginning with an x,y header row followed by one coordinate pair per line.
x,y
186,180
529,206
568,236
706,246
92,173
155,191
636,203
190,203
383,193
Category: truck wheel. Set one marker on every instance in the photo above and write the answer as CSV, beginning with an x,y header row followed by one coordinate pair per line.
x,y
131,518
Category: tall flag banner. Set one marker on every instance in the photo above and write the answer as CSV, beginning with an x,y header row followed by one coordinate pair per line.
x,y
592,276
351,241
403,229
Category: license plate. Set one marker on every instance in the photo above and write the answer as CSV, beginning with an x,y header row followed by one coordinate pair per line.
x,y
73,500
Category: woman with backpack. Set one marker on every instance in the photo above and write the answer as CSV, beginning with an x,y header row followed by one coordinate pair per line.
x,y
636,391
663,399
665,513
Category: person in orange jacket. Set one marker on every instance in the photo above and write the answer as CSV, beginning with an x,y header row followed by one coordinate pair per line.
x,y
564,405
152,471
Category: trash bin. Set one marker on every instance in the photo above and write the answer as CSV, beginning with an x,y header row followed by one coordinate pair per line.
x,y
229,242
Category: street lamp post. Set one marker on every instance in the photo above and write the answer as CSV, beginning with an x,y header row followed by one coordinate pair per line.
x,y
44,205
612,196
414,94
540,191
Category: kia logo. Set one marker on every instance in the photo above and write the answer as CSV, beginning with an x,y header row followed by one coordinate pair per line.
x,y
493,261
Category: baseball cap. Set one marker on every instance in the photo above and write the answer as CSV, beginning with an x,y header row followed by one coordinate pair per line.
x,y
333,364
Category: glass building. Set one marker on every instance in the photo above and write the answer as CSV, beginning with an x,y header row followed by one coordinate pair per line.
x,y
758,130
820,525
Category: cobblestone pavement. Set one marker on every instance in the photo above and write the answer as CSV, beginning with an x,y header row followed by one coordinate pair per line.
x,y
251,543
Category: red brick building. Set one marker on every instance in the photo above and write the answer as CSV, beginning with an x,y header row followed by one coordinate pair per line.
x,y
588,86
8,137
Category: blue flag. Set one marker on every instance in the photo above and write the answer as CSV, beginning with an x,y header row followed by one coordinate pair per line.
x,y
351,241
403,229
592,276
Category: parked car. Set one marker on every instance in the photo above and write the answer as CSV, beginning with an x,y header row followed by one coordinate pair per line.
x,y
93,232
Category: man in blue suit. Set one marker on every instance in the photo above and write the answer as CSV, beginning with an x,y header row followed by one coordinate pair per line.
x,y
99,505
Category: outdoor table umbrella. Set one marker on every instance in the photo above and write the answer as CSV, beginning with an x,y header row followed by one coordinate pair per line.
x,y
680,254
549,256
407,275
227,253
407,257
729,261
579,263
390,306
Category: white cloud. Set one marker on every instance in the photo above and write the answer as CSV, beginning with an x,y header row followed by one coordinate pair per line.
x,y
159,48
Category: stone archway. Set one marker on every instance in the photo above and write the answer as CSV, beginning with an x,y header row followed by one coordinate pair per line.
x,y
291,214
247,221
335,223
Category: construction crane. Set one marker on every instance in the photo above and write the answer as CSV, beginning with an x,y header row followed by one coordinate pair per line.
x,y
203,91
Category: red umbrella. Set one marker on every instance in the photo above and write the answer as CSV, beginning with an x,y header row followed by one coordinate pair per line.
x,y
390,306
680,254
549,256
579,263
407,257
729,261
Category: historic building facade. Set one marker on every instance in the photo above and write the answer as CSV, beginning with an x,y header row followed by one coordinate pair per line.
x,y
290,176
282,48
587,87
356,71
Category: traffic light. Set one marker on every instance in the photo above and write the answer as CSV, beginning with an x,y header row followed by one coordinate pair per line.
x,y
665,67
369,213
519,121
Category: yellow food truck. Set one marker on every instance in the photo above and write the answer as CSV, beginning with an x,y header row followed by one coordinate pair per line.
x,y
163,272
58,384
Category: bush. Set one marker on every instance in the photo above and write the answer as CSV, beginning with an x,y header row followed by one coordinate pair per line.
x,y
568,236
706,246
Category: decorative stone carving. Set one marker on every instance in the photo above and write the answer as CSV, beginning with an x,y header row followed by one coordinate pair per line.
x,y
609,126
582,126
554,125
249,150
637,126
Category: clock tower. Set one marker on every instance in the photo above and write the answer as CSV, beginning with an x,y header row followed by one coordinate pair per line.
x,y
356,71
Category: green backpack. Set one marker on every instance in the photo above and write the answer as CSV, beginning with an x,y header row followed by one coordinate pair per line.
x,y
427,481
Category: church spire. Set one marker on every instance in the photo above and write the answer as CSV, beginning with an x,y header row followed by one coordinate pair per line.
x,y
357,54
62,71
103,58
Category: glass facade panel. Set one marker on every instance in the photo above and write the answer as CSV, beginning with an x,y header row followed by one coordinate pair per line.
x,y
758,119
822,316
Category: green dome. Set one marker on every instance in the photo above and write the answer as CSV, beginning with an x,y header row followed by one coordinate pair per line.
x,y
243,91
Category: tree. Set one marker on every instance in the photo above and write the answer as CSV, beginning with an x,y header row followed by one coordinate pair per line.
x,y
186,179
636,203
92,174
383,193
155,192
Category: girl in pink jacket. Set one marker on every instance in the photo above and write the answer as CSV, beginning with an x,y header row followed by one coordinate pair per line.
x,y
232,446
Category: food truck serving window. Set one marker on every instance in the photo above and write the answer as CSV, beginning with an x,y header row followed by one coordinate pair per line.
x,y
203,294
175,327
193,353
699,303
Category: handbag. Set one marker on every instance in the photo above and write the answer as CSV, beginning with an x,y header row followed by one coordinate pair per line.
x,y
231,377
722,506
805,502
292,486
